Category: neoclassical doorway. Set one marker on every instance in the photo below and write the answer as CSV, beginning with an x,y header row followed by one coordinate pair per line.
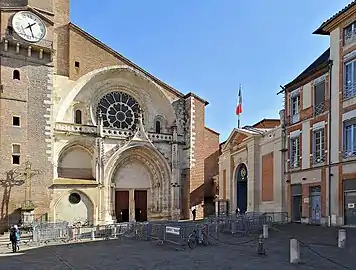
x,y
241,187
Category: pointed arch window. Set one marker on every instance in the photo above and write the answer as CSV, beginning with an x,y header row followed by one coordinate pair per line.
x,y
78,117
158,126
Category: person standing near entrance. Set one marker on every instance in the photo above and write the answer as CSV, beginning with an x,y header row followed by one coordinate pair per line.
x,y
194,212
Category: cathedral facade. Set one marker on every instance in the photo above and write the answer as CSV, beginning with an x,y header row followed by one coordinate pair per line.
x,y
88,136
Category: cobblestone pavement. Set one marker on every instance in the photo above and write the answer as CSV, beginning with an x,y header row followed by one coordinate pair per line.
x,y
227,253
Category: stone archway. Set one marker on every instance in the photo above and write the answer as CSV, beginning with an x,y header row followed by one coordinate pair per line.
x,y
241,187
75,207
140,184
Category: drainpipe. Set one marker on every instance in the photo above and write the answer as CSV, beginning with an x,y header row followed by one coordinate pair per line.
x,y
329,140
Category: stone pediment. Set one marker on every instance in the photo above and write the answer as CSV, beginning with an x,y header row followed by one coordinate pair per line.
x,y
235,139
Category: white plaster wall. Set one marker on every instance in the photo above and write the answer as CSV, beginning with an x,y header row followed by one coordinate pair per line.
x,y
335,191
349,168
225,164
311,176
305,144
334,55
251,184
132,176
272,143
76,157
307,91
81,212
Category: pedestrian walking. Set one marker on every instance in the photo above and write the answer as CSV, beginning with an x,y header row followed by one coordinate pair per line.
x,y
15,238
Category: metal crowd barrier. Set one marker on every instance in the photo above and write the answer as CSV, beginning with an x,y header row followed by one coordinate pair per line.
x,y
48,232
173,232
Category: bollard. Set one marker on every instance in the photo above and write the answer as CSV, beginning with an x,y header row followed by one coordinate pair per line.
x,y
265,231
261,246
294,251
342,238
93,235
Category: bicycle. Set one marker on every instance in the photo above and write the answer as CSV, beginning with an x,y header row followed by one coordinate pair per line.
x,y
198,236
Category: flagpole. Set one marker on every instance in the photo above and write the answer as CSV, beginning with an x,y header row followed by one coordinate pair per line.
x,y
238,102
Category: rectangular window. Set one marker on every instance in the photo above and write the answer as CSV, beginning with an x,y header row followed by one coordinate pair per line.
x,y
16,151
295,108
318,146
319,98
295,152
349,79
350,138
16,121
350,33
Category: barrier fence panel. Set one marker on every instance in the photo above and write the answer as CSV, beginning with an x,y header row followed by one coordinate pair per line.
x,y
174,235
174,232
48,232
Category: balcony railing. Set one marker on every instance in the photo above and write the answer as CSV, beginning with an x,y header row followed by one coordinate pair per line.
x,y
349,153
75,173
350,37
319,158
349,90
68,127
319,108
113,133
294,163
294,118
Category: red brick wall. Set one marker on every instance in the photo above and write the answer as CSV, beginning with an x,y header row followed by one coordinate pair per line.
x,y
211,165
197,171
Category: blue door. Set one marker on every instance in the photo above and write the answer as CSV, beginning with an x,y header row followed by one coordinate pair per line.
x,y
315,204
241,188
242,196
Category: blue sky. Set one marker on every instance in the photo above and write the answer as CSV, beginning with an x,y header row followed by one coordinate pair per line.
x,y
209,47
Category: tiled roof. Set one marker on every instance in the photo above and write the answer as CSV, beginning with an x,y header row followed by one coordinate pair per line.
x,y
320,29
319,62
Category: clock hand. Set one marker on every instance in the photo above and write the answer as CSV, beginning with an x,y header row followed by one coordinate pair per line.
x,y
23,30
30,26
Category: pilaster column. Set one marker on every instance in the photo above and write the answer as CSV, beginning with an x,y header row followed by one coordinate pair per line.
x,y
132,204
112,201
175,184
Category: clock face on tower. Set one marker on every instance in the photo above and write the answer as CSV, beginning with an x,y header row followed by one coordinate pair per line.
x,y
28,26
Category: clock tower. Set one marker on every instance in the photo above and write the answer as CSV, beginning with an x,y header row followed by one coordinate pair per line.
x,y
27,49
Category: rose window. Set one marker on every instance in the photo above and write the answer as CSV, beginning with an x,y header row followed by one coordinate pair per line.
x,y
119,110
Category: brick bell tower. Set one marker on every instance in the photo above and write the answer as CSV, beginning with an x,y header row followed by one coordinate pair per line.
x,y
27,65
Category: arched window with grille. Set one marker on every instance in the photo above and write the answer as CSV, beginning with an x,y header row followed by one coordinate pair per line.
x,y
78,117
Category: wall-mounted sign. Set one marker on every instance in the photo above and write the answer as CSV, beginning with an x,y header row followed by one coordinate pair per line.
x,y
306,200
350,205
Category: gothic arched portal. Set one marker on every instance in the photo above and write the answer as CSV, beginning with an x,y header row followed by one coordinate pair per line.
x,y
241,187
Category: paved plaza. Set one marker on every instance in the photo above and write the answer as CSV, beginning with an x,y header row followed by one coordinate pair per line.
x,y
320,253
